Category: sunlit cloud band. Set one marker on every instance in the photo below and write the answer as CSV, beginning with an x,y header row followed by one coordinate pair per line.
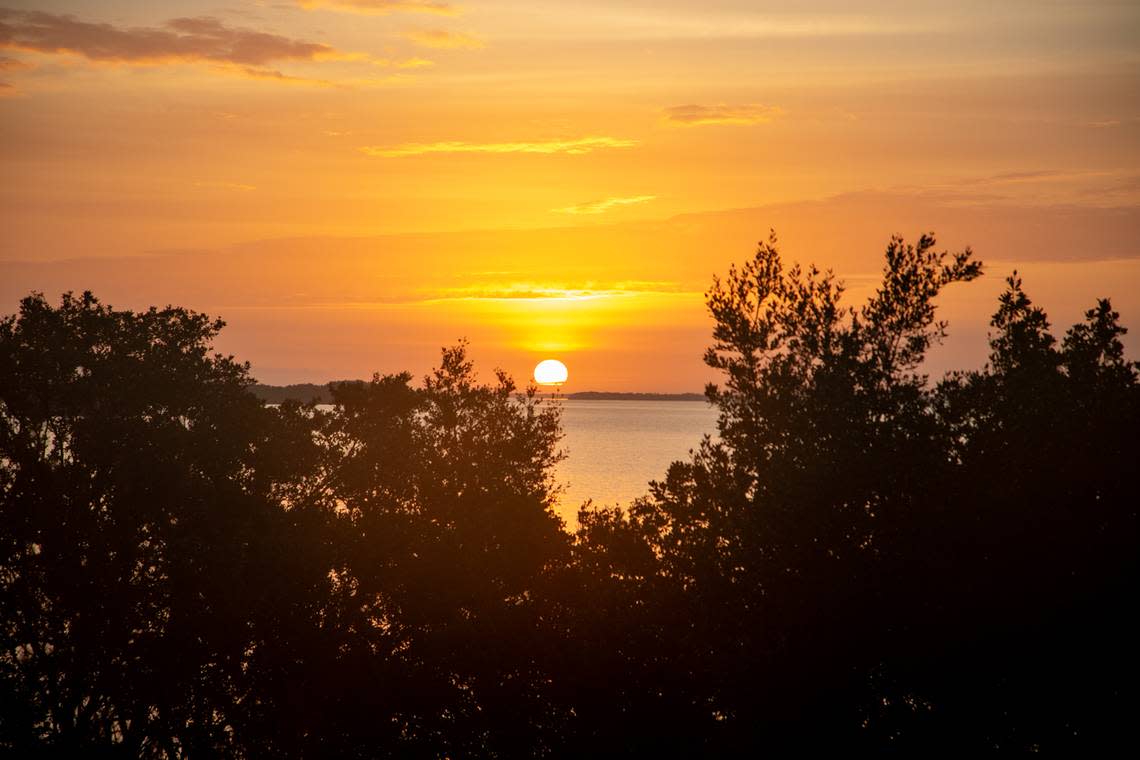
x,y
602,206
443,39
693,115
380,7
202,39
573,147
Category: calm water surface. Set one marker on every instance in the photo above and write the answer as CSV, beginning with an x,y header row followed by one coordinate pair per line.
x,y
616,447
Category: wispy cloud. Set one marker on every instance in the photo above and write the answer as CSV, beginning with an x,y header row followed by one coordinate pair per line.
x,y
1035,176
380,7
181,40
714,21
12,64
521,293
506,292
693,115
414,62
602,206
240,187
540,291
277,76
573,147
441,38
1109,123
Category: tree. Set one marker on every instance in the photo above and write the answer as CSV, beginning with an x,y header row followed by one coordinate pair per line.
x,y
861,559
185,571
1044,537
443,502
858,559
141,539
776,534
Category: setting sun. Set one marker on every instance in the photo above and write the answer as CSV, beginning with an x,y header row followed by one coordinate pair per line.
x,y
550,372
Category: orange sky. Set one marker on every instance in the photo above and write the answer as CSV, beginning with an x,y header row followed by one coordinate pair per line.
x,y
353,183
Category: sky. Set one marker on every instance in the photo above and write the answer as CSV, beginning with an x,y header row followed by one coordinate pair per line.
x,y
352,184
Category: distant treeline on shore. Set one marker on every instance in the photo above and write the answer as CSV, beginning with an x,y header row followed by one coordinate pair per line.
x,y
305,392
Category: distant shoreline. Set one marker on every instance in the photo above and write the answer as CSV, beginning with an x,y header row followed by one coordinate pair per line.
x,y
305,392
608,396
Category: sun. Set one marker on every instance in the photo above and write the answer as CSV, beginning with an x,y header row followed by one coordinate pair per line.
x,y
550,372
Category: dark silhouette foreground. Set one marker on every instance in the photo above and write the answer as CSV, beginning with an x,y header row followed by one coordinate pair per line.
x,y
862,560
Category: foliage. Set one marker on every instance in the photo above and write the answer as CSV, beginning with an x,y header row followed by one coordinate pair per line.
x,y
444,529
869,561
187,572
860,559
140,536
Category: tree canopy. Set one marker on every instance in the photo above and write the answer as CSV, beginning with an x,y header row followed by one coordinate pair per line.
x,y
860,558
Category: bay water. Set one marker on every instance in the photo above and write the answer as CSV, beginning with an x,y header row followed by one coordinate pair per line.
x,y
614,448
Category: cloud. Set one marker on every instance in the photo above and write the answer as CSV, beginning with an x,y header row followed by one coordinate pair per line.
x,y
541,291
188,40
1109,123
414,62
602,206
277,76
441,38
1007,178
1034,176
693,115
380,7
573,147
12,64
7,89
235,186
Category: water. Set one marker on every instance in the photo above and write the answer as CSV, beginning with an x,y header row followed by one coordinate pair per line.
x,y
616,447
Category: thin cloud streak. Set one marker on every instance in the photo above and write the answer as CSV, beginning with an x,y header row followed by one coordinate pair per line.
x,y
380,7
602,206
536,294
624,21
181,40
277,76
444,40
1043,175
236,186
558,291
575,147
7,89
12,64
414,62
693,115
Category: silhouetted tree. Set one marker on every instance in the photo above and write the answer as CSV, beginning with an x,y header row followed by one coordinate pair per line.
x,y
141,541
442,498
187,572
862,560
1043,537
859,560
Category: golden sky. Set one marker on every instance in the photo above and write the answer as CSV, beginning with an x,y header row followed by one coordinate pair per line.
x,y
353,183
